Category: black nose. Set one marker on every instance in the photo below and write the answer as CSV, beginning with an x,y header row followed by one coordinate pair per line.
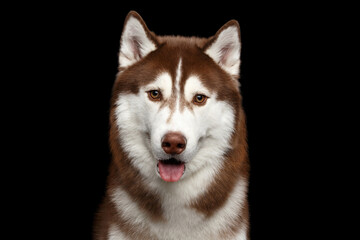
x,y
173,143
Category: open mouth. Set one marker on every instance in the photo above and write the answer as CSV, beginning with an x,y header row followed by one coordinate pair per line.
x,y
171,170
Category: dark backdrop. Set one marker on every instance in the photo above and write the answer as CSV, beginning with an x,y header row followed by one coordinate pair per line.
x,y
76,49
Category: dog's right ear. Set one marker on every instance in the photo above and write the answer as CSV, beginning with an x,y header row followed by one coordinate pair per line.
x,y
136,40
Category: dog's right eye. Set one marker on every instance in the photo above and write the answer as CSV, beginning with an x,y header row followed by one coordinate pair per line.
x,y
154,95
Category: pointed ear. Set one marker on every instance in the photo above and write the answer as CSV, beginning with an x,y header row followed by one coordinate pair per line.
x,y
224,48
136,40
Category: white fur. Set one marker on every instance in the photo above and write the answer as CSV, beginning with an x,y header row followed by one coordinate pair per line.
x,y
177,86
177,224
241,235
229,60
134,40
194,86
178,77
163,83
208,129
115,234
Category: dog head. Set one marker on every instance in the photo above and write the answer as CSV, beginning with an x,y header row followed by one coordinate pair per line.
x,y
176,100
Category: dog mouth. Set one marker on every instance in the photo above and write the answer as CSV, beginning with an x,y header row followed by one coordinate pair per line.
x,y
171,170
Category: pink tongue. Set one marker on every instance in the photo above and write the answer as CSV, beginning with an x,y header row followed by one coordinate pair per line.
x,y
171,172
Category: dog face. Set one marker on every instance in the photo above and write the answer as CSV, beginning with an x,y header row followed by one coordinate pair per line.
x,y
175,101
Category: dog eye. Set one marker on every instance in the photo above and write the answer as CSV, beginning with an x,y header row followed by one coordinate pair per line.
x,y
200,99
154,95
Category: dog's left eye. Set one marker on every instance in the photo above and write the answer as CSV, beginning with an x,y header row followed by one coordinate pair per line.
x,y
154,95
200,99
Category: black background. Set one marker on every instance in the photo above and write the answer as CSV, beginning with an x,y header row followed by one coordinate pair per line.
x,y
70,66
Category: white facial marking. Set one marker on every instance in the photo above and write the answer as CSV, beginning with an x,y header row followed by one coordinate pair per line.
x,y
131,119
163,83
177,83
194,86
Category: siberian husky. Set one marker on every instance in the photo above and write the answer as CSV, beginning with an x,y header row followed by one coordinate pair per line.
x,y
179,166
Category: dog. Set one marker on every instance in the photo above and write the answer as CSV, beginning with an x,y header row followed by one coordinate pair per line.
x,y
178,139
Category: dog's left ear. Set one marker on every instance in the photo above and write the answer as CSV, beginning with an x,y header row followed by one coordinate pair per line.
x,y
224,48
136,40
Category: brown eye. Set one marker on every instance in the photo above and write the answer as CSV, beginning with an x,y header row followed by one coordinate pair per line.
x,y
154,95
200,99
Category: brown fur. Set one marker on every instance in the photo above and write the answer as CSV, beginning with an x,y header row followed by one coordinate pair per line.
x,y
123,174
